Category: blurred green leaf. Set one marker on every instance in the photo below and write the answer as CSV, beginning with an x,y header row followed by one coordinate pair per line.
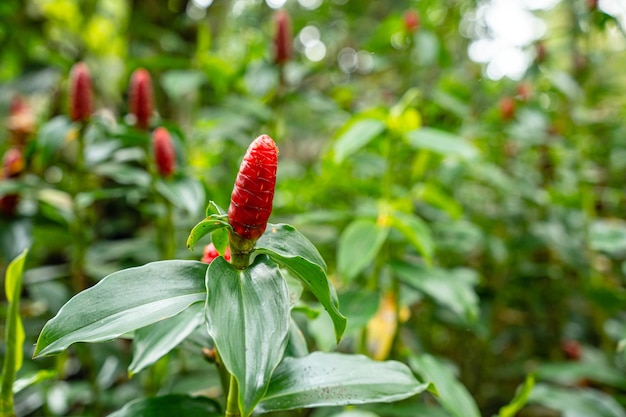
x,y
248,316
358,135
416,231
520,399
576,402
124,174
52,135
324,379
444,143
185,193
179,83
609,236
358,246
170,405
124,301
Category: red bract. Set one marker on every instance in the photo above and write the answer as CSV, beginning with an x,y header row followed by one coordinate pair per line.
x,y
507,108
282,37
21,121
253,193
80,93
524,91
164,152
210,253
572,349
411,21
140,97
12,163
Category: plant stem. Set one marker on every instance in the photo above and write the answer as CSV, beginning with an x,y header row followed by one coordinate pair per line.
x,y
240,250
232,406
79,226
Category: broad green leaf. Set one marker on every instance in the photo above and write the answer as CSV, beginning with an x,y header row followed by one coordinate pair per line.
x,y
416,231
288,247
576,402
520,399
52,135
124,174
453,289
452,395
326,379
297,345
170,405
13,332
151,343
184,192
248,315
208,225
355,413
124,301
358,246
356,137
441,142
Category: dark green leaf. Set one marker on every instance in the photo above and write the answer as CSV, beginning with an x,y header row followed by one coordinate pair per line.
x,y
170,405
325,379
248,314
124,301
210,224
356,137
441,142
358,246
576,402
452,395
156,340
285,245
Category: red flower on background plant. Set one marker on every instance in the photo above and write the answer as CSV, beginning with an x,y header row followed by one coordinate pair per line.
x,y
507,108
411,21
253,193
164,152
572,349
80,93
282,37
12,163
21,121
210,253
524,90
140,97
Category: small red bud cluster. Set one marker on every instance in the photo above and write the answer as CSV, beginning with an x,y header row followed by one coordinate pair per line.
x,y
140,97
164,152
507,108
210,253
282,37
411,21
81,99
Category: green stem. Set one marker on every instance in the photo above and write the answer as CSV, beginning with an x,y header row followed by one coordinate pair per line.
x,y
240,250
79,226
232,406
223,373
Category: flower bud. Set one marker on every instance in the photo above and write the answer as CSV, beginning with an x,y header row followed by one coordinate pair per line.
x,y
210,253
164,152
80,93
140,97
21,121
507,108
253,193
12,163
411,21
282,37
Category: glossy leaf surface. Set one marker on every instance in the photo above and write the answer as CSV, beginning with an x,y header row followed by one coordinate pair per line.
x,y
248,315
325,379
291,249
124,301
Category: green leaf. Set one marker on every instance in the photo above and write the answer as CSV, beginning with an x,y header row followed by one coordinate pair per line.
x,y
170,405
184,192
416,231
358,246
51,137
124,174
124,301
576,402
520,399
151,343
441,142
356,137
291,249
453,289
325,379
33,379
452,395
13,332
433,195
210,224
213,208
219,238
248,315
179,83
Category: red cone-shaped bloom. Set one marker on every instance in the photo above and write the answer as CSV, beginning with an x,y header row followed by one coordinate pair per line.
x,y
12,163
80,93
282,37
140,97
164,152
253,193
411,21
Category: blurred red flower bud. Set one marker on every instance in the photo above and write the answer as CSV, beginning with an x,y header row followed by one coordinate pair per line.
x,y
80,93
12,163
572,349
21,121
524,91
282,37
253,193
541,52
210,253
507,108
411,21
164,152
140,97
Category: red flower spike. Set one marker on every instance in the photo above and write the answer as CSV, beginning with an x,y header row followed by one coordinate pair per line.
x,y
21,121
210,253
8,204
507,108
572,350
253,193
140,97
411,21
282,37
80,93
164,152
12,163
